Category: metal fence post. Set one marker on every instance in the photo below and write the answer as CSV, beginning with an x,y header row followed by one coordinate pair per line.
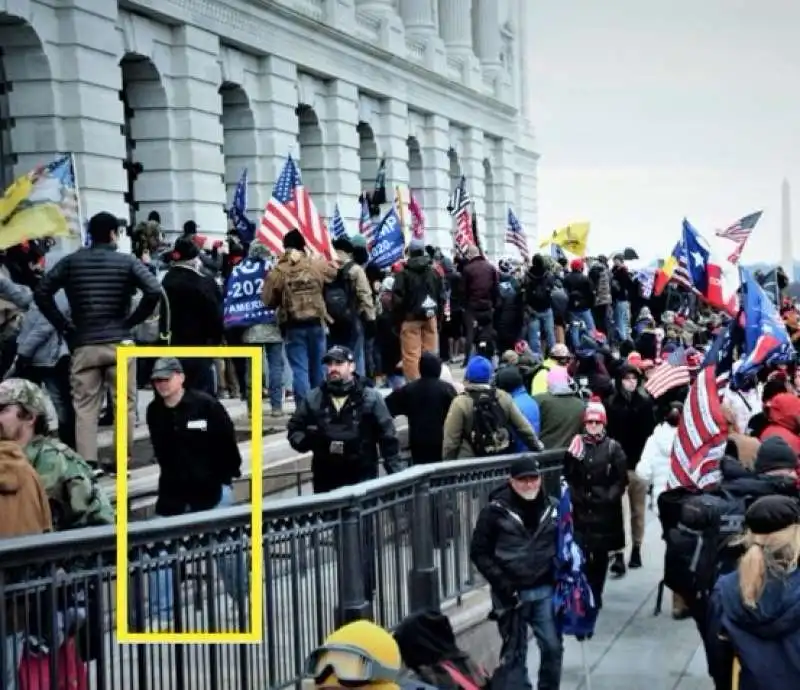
x,y
353,604
423,581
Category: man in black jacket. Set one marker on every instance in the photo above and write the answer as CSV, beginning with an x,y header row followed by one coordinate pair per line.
x,y
580,296
514,548
342,423
100,284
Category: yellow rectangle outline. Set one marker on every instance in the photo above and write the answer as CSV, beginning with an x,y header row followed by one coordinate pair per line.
x,y
256,634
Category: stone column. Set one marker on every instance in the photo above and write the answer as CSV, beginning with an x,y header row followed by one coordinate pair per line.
x,y
455,27
527,164
436,187
505,195
344,167
525,56
420,21
487,36
472,167
91,110
273,102
199,165
393,145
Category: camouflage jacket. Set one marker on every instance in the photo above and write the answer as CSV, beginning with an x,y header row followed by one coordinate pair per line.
x,y
76,500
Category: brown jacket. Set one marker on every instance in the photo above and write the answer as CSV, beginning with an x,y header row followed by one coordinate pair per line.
x,y
295,285
361,287
746,446
458,423
24,508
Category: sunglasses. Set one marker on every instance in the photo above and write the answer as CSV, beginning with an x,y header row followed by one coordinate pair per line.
x,y
352,666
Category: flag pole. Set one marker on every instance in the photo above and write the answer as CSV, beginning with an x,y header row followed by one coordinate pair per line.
x,y
81,219
401,212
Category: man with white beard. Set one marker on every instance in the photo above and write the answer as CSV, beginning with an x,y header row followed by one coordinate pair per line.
x,y
514,548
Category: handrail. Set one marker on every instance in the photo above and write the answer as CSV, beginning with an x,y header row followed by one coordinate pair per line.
x,y
20,551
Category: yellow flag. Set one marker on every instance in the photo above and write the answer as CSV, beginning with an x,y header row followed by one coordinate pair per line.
x,y
572,238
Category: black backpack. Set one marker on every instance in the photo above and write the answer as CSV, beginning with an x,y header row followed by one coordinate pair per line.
x,y
340,298
423,294
699,547
490,434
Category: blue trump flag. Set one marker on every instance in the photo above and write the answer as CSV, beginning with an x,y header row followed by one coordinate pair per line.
x,y
337,224
573,600
766,340
388,243
238,211
243,307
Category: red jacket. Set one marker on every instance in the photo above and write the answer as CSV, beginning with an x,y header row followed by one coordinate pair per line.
x,y
783,414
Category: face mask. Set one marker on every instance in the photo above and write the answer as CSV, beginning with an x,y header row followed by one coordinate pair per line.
x,y
629,385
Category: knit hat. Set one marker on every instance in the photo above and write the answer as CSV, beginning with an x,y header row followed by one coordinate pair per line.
x,y
479,370
294,240
595,412
557,378
510,357
509,379
771,514
576,264
774,454
358,241
416,248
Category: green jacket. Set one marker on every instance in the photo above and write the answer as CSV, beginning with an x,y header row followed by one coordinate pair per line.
x,y
76,500
561,419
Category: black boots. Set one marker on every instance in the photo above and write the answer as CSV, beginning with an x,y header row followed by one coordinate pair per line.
x,y
636,557
618,565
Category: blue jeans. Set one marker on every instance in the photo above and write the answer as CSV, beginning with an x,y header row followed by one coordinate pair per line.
x,y
305,347
585,316
622,320
537,606
541,321
160,582
273,358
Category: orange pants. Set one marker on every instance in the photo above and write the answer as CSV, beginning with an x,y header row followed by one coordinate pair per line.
x,y
417,337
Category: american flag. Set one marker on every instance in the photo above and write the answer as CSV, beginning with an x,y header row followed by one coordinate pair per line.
x,y
365,225
703,432
337,224
417,217
459,209
516,235
646,277
291,207
668,375
739,233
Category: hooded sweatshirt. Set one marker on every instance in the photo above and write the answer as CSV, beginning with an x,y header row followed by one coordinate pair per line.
x,y
24,508
783,415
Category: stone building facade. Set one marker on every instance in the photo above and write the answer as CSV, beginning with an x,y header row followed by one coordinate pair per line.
x,y
196,90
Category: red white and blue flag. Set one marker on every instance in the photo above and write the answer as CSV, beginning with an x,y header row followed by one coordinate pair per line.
x,y
739,233
515,235
366,227
291,207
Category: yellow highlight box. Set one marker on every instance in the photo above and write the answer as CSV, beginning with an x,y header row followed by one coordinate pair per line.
x,y
256,633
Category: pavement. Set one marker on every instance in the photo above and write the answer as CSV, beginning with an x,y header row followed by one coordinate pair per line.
x,y
632,649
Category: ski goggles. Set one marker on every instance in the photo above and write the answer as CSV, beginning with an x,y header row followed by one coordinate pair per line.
x,y
352,666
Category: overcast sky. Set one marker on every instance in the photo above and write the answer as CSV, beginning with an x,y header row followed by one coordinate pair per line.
x,y
649,111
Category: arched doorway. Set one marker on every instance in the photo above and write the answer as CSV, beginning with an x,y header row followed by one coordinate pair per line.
x,y
146,127
24,66
311,158
368,155
239,145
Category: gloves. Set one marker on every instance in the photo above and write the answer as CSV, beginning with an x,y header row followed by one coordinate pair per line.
x,y
538,446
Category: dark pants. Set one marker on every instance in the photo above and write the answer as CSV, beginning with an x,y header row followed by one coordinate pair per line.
x,y
198,374
537,609
55,380
596,570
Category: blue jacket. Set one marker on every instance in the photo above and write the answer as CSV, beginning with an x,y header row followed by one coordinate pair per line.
x,y
766,639
530,409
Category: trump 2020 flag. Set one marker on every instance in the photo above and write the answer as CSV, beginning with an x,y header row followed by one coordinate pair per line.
x,y
337,224
388,241
573,600
238,211
766,339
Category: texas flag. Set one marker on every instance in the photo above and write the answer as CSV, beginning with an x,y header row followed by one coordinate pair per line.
x,y
710,275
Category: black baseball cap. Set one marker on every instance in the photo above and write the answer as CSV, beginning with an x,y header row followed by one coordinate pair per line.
x,y
165,367
525,466
338,354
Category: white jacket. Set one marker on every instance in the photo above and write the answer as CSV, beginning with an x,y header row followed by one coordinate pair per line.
x,y
653,468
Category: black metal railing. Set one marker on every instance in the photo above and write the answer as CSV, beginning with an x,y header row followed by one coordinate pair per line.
x,y
380,549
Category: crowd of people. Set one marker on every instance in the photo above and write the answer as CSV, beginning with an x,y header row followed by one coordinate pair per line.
x,y
557,354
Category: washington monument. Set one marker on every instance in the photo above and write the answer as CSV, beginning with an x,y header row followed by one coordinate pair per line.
x,y
787,256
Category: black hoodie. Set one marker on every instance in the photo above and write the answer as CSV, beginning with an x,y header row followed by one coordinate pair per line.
x,y
425,402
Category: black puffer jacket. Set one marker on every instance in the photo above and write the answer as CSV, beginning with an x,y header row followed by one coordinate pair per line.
x,y
514,542
356,429
100,283
579,291
597,481
509,313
